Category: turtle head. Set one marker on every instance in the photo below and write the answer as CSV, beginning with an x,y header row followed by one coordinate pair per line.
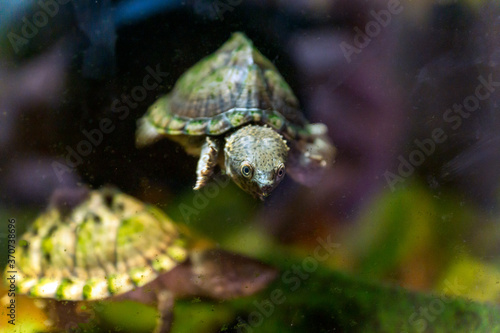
x,y
255,159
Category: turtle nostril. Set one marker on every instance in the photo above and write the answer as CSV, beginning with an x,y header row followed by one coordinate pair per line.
x,y
266,190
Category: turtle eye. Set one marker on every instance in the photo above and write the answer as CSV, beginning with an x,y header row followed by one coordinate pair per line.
x,y
281,171
246,170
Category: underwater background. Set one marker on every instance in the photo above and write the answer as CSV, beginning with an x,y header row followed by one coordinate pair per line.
x,y
408,213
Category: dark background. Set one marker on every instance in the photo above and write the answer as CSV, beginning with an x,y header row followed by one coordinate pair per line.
x,y
65,79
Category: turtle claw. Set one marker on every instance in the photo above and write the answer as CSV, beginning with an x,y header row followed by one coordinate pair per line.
x,y
207,162
317,129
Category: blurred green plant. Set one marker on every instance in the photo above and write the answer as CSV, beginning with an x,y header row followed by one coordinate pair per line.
x,y
396,228
326,300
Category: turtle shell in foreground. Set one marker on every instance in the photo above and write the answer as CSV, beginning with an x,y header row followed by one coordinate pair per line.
x,y
232,87
107,244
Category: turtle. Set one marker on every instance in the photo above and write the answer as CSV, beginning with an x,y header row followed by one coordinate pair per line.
x,y
95,245
235,110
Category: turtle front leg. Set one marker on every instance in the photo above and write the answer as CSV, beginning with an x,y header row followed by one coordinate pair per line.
x,y
207,162
309,159
165,300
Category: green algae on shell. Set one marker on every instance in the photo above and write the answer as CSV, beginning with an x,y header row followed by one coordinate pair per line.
x,y
108,244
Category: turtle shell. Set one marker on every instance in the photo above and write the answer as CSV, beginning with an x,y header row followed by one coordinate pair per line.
x,y
234,86
108,244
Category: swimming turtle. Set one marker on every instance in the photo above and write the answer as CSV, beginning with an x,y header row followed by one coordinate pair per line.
x,y
106,245
236,101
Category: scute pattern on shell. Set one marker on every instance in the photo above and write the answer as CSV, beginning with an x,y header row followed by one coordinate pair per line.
x,y
234,86
108,244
